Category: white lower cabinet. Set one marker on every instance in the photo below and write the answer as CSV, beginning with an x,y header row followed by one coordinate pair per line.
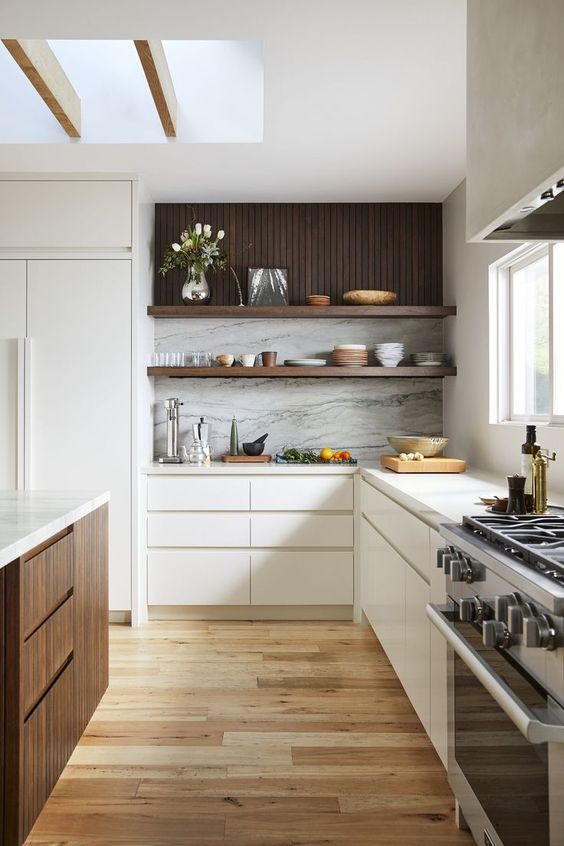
x,y
211,542
396,583
383,573
302,529
301,578
417,667
203,530
198,578
438,647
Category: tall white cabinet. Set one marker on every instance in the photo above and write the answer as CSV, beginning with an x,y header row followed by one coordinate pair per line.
x,y
66,347
12,335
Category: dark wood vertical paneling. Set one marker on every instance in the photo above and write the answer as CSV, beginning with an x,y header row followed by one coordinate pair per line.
x,y
91,613
327,247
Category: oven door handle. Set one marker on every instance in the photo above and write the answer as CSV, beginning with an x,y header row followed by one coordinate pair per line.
x,y
530,724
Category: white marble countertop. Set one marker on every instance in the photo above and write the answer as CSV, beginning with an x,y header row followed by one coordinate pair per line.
x,y
438,497
249,469
28,518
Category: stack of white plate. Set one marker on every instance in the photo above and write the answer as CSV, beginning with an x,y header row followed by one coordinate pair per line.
x,y
389,355
350,355
430,359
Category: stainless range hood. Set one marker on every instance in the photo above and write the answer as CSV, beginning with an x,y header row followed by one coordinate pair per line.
x,y
541,219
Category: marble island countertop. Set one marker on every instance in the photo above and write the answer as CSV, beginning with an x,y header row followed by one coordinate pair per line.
x,y
28,518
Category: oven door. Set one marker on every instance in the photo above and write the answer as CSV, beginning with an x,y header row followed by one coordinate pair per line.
x,y
506,742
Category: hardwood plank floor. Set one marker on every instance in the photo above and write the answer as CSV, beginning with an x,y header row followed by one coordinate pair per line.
x,y
251,734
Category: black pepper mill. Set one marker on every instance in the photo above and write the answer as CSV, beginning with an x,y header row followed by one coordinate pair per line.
x,y
516,501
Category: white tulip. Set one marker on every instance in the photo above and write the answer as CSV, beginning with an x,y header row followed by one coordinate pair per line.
x,y
184,236
220,235
176,248
198,229
207,230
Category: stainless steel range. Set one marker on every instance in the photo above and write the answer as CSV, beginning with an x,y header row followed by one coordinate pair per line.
x,y
504,626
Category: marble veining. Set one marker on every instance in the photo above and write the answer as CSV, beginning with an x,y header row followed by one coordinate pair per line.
x,y
28,518
353,413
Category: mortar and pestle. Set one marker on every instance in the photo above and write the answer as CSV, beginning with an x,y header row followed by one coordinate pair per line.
x,y
255,447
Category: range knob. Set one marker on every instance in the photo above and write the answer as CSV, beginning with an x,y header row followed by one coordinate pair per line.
x,y
444,557
495,633
472,610
468,609
461,570
503,606
539,632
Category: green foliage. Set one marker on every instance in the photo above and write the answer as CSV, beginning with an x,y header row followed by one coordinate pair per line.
x,y
197,249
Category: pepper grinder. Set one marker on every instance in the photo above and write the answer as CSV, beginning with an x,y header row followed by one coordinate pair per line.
x,y
516,495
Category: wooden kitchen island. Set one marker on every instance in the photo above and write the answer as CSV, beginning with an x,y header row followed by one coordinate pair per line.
x,y
53,641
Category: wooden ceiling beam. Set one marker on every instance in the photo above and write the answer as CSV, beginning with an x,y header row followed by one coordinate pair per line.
x,y
155,66
42,68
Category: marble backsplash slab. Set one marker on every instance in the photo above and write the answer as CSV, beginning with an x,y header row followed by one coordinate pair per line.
x,y
353,413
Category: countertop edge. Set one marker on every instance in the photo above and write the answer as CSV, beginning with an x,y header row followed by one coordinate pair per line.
x,y
38,536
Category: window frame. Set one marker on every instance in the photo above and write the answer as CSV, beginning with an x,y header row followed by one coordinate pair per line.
x,y
501,339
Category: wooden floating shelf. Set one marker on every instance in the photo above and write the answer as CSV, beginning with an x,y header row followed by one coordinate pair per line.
x,y
302,372
244,312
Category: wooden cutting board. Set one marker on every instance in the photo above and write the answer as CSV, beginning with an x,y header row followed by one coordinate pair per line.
x,y
438,464
246,459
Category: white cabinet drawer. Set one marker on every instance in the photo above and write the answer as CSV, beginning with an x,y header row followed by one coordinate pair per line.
x,y
417,667
207,530
405,532
198,578
193,493
51,214
302,493
301,530
301,578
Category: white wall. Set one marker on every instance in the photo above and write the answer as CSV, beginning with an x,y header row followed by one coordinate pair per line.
x,y
490,448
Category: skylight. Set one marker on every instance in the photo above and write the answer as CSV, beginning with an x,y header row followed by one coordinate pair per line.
x,y
218,87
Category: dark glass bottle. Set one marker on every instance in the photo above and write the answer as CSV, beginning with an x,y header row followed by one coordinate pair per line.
x,y
528,451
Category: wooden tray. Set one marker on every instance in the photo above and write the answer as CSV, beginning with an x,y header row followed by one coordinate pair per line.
x,y
246,459
438,464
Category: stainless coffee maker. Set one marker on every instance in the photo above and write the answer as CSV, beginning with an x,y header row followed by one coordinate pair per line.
x,y
172,457
200,450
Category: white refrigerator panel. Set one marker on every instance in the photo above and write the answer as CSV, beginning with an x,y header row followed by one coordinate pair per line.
x,y
12,333
78,434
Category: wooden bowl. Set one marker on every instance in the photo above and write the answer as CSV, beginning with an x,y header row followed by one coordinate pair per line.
x,y
369,297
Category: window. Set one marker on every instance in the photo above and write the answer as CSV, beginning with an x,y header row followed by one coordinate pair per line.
x,y
527,344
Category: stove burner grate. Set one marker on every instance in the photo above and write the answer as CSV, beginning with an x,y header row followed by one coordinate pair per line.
x,y
536,539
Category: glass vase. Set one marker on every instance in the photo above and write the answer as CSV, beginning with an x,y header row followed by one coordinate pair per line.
x,y
196,290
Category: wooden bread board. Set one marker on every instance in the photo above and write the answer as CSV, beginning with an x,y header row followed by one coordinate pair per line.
x,y
246,459
437,464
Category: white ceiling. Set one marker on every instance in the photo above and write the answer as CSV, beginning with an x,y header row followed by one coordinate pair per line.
x,y
363,100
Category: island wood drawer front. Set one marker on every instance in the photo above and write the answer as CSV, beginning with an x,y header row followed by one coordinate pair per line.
x,y
406,533
301,578
48,742
47,579
321,530
198,578
207,530
302,493
194,493
45,652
